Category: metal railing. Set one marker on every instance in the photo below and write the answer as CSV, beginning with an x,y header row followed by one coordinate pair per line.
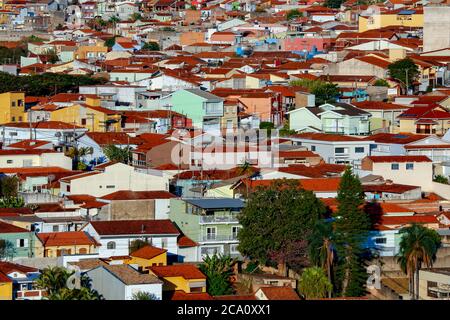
x,y
219,219
214,238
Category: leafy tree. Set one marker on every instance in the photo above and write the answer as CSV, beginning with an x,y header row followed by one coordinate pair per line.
x,y
404,70
136,16
114,153
152,46
333,3
77,154
33,39
218,270
266,125
325,92
138,244
321,248
12,55
54,281
314,283
294,13
418,246
440,179
9,186
97,23
351,230
285,131
52,56
381,83
276,222
45,84
142,295
7,249
110,42
12,202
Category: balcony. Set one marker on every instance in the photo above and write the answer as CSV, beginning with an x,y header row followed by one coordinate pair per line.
x,y
218,238
333,129
212,219
30,294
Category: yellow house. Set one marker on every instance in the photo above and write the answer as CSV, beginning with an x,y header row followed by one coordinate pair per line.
x,y
185,277
89,115
85,52
12,107
6,288
148,256
401,17
55,244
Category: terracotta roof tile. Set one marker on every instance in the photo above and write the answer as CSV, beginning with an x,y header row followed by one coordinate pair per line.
x,y
187,271
379,159
148,252
135,227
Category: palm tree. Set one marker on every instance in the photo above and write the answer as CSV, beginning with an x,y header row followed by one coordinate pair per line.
x,y
321,249
314,283
78,153
218,269
113,20
142,295
418,245
52,279
114,153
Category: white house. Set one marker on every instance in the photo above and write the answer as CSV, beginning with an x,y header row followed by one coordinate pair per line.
x,y
116,236
337,149
121,282
111,177
34,158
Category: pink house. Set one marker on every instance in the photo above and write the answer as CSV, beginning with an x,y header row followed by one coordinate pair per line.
x,y
301,43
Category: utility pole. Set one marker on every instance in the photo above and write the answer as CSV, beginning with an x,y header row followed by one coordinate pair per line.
x,y
29,122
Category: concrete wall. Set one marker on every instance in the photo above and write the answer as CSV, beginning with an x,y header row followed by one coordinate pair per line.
x,y
436,29
131,209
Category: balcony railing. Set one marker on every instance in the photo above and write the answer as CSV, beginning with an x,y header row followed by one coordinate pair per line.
x,y
218,219
30,294
214,238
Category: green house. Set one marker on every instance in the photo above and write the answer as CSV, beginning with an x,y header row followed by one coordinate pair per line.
x,y
203,108
16,242
211,222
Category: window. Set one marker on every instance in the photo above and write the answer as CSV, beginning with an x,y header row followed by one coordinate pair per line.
x,y
380,240
13,119
313,148
410,166
211,233
164,243
359,150
20,119
9,161
235,231
68,188
82,251
22,243
110,187
394,166
339,150
111,245
83,122
13,104
233,248
56,228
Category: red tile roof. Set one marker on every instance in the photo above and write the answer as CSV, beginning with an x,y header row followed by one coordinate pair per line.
x,y
135,227
8,267
185,242
29,144
379,159
181,295
187,271
50,239
52,125
9,228
399,138
378,105
318,171
14,152
148,252
325,137
280,293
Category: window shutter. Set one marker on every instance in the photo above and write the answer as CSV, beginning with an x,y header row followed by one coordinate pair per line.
x,y
18,243
25,243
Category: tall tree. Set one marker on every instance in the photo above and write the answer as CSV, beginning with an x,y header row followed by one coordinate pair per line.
x,y
404,70
218,270
276,222
9,186
114,153
352,225
314,283
325,92
7,250
77,155
321,248
418,246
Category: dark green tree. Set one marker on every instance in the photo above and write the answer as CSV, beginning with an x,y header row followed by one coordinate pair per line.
x,y
292,14
12,202
142,295
276,222
440,179
335,4
218,269
314,283
351,229
138,244
9,186
381,83
7,250
404,70
114,153
325,92
418,246
152,46
110,42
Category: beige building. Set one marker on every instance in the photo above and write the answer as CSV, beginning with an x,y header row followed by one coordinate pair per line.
x,y
112,177
434,284
34,158
408,170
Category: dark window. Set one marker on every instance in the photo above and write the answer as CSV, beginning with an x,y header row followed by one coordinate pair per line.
x,y
339,150
313,148
410,166
13,119
431,293
111,245
394,166
380,240
359,150
9,161
83,122
13,104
